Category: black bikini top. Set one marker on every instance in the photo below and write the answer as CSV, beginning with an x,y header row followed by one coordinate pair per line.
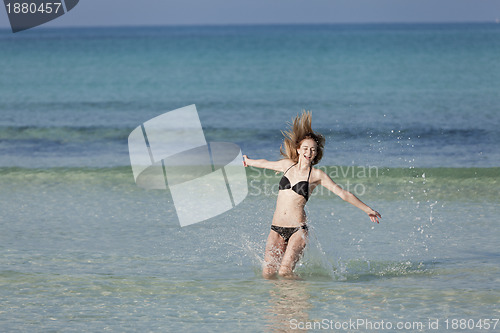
x,y
301,188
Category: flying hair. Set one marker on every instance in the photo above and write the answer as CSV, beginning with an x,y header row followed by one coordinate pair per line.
x,y
301,129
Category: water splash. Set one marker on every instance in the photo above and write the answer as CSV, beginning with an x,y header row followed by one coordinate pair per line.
x,y
315,262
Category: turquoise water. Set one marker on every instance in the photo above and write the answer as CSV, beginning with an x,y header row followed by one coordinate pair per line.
x,y
410,113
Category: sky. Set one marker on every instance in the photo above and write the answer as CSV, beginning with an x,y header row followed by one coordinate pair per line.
x,y
202,12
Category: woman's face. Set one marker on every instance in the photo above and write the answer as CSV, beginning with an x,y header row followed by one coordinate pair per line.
x,y
307,150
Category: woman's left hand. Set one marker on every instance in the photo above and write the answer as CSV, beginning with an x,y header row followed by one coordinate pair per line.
x,y
374,216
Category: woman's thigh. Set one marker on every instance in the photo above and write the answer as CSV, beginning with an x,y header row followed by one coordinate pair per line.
x,y
294,250
275,248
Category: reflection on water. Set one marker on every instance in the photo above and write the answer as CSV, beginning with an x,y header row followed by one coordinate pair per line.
x,y
289,300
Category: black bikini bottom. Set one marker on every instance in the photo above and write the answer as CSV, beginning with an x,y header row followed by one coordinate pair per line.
x,y
287,232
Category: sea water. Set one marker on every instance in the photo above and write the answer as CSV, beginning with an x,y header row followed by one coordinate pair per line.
x,y
410,114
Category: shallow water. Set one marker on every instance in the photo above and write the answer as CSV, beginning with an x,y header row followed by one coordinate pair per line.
x,y
93,252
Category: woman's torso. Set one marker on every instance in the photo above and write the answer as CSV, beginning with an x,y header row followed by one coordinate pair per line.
x,y
294,191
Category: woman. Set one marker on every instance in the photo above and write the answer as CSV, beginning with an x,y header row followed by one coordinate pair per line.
x,y
287,238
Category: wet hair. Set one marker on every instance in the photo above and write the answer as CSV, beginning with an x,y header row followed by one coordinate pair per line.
x,y
300,129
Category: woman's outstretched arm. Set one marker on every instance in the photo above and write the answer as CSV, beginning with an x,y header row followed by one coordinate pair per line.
x,y
265,164
327,182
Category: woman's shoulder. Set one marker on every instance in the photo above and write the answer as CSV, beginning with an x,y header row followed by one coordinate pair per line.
x,y
317,173
287,163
